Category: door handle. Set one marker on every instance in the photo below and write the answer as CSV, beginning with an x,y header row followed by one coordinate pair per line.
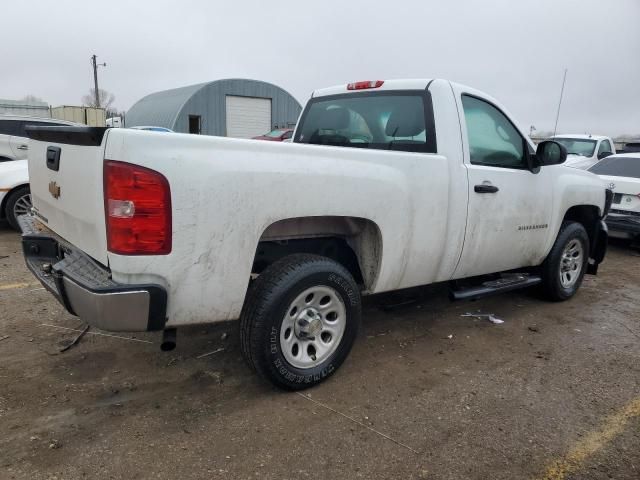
x,y
23,147
485,188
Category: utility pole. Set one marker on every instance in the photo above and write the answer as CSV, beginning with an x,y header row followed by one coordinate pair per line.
x,y
95,65
564,79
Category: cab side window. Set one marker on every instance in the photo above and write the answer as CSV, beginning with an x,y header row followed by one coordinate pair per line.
x,y
9,127
493,140
20,131
605,146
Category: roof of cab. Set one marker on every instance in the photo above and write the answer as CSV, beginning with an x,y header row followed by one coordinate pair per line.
x,y
582,136
399,84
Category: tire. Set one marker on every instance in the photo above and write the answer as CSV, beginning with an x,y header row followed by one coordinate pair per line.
x,y
18,201
284,308
564,268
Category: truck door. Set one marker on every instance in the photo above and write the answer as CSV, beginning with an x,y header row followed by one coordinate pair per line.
x,y
509,206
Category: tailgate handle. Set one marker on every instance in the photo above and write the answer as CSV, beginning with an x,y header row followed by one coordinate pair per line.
x,y
53,158
485,188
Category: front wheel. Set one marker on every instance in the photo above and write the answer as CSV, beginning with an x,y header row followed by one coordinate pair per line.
x,y
565,266
300,320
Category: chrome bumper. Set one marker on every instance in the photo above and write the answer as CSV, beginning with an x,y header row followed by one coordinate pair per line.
x,y
85,288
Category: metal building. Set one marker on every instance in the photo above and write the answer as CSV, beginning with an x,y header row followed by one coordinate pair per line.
x,y
236,107
30,108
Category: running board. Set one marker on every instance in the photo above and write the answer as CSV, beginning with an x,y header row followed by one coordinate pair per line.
x,y
492,287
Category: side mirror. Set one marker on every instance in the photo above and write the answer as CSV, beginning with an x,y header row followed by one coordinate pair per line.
x,y
602,155
550,153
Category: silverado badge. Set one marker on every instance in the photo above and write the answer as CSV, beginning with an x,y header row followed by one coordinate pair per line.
x,y
54,189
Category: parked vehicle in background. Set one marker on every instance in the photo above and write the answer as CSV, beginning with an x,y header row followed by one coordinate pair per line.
x,y
115,122
631,147
278,135
153,129
15,197
621,174
287,238
14,144
584,151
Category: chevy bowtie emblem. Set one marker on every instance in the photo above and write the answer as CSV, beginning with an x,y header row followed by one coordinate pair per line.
x,y
54,189
612,186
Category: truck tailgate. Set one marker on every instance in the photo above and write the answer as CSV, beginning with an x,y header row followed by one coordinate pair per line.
x,y
65,174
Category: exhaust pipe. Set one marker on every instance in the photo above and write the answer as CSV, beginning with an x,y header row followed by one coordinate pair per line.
x,y
168,340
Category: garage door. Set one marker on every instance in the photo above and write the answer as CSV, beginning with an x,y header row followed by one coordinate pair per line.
x,y
247,116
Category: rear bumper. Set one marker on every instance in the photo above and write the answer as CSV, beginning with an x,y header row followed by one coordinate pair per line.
x,y
85,288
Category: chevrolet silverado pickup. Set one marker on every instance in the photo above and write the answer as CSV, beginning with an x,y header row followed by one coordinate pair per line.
x,y
386,185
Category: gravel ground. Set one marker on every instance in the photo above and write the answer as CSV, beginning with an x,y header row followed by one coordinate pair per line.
x,y
554,392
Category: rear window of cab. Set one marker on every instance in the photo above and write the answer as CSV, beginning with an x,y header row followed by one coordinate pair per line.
x,y
391,120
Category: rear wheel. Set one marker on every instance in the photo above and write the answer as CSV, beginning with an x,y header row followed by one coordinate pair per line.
x,y
18,203
300,320
565,266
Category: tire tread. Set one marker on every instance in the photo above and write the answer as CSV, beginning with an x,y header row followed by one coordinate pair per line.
x,y
261,291
550,286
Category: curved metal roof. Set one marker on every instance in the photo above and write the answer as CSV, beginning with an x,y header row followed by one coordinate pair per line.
x,y
162,108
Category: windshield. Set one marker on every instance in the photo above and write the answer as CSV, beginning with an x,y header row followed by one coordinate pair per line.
x,y
384,120
618,167
275,133
577,146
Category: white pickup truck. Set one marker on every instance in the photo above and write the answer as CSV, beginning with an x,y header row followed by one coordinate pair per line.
x,y
387,185
584,151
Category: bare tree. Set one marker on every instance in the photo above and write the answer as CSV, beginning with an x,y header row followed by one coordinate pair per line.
x,y
31,99
106,98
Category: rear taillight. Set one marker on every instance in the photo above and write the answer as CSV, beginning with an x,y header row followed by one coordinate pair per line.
x,y
364,85
137,203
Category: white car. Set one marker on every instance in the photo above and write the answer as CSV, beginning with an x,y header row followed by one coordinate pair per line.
x,y
386,185
14,144
621,173
15,198
584,151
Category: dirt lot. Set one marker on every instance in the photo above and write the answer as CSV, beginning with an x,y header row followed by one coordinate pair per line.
x,y
554,392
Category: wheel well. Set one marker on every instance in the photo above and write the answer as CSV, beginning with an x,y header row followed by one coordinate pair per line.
x,y
3,204
588,216
355,243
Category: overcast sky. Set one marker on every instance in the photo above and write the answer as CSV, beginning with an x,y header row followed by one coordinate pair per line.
x,y
513,50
